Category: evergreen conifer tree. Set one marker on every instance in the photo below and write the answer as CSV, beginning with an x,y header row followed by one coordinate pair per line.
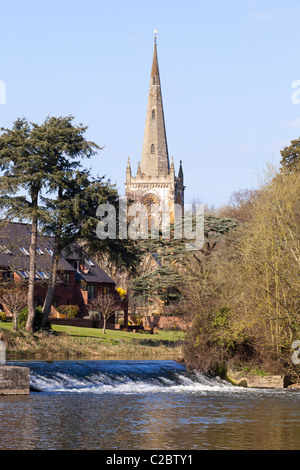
x,y
38,159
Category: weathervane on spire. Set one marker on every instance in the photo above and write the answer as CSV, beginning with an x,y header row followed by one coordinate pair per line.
x,y
155,35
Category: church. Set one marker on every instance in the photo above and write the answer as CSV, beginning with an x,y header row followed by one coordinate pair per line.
x,y
155,182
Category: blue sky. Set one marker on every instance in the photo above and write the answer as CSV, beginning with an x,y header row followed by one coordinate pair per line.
x,y
227,69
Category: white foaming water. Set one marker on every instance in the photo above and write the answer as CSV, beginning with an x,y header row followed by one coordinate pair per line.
x,y
105,383
125,377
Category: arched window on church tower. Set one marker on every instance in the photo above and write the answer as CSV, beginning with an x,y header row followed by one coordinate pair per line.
x,y
153,113
152,148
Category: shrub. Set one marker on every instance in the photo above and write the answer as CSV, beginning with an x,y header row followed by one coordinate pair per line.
x,y
3,317
23,315
69,311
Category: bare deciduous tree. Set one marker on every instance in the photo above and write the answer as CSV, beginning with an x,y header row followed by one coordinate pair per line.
x,y
106,305
14,297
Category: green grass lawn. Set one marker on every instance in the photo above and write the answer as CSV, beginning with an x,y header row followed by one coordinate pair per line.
x,y
6,325
127,336
74,341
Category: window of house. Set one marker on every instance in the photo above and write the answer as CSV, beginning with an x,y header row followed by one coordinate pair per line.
x,y
5,250
66,278
24,250
24,274
91,291
43,275
7,275
76,265
90,262
55,303
106,290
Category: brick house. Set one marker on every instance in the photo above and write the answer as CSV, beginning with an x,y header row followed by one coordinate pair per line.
x,y
79,280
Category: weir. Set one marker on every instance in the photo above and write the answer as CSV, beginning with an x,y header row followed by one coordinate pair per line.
x,y
120,377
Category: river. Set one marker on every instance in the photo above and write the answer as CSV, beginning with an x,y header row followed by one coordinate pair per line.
x,y
144,405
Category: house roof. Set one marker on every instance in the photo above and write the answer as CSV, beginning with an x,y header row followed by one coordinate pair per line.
x,y
14,254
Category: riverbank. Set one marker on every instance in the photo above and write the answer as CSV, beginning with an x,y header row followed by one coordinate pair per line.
x,y
76,342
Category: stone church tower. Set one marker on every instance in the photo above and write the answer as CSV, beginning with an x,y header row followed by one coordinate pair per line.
x,y
155,181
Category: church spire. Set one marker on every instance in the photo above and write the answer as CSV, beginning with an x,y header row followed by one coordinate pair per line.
x,y
155,181
155,158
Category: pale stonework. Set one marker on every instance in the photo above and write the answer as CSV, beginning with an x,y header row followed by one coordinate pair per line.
x,y
14,380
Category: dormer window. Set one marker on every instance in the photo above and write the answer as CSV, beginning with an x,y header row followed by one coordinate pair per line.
x,y
24,251
24,274
5,250
43,275
40,251
49,251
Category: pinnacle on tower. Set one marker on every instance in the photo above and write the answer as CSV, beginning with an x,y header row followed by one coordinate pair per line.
x,y
172,168
128,171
